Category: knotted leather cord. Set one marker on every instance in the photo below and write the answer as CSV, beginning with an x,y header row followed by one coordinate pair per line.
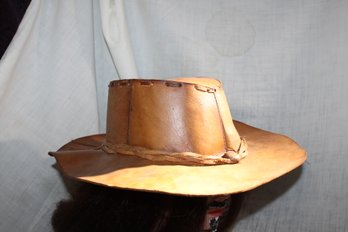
x,y
229,157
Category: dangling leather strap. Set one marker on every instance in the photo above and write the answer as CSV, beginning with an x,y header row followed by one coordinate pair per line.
x,y
232,141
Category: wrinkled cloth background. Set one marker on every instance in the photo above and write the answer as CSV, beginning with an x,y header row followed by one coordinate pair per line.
x,y
284,66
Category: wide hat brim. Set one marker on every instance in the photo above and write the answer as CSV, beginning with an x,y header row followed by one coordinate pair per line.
x,y
270,155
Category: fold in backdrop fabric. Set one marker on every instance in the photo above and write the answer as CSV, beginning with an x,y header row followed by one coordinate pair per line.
x,y
283,65
11,13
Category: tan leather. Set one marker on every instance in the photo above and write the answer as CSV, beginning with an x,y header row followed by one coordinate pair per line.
x,y
169,119
155,128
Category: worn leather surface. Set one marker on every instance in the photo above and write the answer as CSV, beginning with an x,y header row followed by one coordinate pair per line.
x,y
185,115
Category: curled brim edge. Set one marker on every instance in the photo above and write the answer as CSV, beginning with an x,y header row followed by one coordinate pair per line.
x,y
270,156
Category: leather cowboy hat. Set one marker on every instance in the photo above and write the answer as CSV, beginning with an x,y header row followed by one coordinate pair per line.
x,y
177,137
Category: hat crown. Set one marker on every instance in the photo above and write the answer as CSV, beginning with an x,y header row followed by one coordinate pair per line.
x,y
181,115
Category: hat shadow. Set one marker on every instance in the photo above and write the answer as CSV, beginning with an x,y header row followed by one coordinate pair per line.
x,y
98,208
260,197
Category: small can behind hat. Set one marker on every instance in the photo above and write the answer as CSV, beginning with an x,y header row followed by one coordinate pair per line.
x,y
177,137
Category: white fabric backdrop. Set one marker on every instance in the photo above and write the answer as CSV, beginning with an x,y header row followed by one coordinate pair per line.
x,y
284,65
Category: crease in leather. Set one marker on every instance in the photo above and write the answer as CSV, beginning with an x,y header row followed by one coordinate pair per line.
x,y
129,112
